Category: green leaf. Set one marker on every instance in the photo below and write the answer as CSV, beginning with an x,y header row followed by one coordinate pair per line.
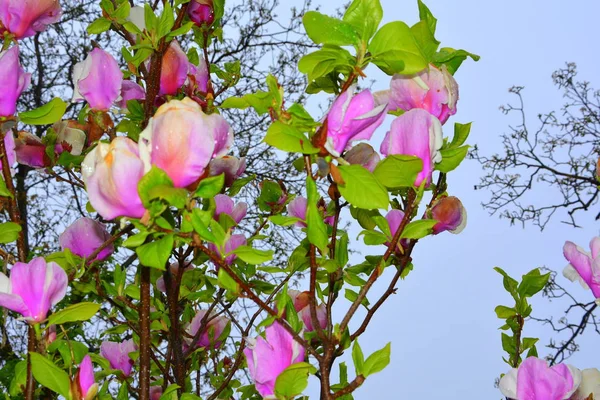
x,y
323,29
20,378
452,58
293,380
425,39
451,158
358,358
4,192
418,229
397,171
321,62
156,254
426,15
395,50
210,187
253,256
532,283
461,133
341,250
508,344
49,375
528,343
504,312
287,138
136,240
283,220
75,312
316,229
362,189
98,26
510,284
364,16
166,21
377,361
225,281
9,232
156,184
182,30
49,113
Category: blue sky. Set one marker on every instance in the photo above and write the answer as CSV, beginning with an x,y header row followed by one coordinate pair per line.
x,y
445,341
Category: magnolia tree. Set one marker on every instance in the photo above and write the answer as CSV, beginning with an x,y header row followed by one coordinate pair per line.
x,y
144,299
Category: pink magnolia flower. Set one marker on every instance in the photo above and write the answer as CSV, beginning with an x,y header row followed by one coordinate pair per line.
x,y
352,117
363,154
31,150
174,71
416,133
590,385
33,288
433,90
111,173
225,205
232,167
298,207
13,80
97,80
84,236
200,74
301,302
201,12
450,214
117,355
232,243
85,383
9,145
181,140
267,358
130,91
24,18
583,266
210,335
534,380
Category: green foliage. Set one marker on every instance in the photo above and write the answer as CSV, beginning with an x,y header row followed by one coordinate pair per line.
x,y
395,50
361,188
397,171
515,344
49,375
156,253
75,312
293,380
317,232
210,187
323,29
9,232
49,113
364,16
287,138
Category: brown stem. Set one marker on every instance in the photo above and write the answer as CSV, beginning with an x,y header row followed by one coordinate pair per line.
x,y
144,313
31,347
355,384
172,285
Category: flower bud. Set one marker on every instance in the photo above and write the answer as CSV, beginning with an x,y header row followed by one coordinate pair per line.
x,y
174,70
301,302
33,288
225,205
584,267
534,380
208,339
85,384
267,358
24,18
97,80
31,150
111,173
117,355
13,80
84,236
200,74
181,140
201,12
352,117
155,392
433,90
416,133
232,167
130,91
450,214
363,154
298,208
